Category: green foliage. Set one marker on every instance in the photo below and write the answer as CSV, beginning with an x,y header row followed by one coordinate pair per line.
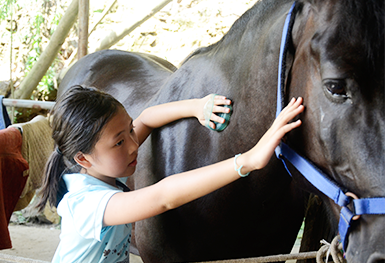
x,y
5,8
35,23
46,88
35,40
19,218
55,22
42,22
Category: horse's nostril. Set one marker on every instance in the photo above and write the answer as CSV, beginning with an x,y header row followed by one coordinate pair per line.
x,y
377,258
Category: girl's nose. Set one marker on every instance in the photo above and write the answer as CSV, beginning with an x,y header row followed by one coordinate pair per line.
x,y
134,145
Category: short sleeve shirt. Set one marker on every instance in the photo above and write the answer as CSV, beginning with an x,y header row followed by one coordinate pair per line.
x,y
83,237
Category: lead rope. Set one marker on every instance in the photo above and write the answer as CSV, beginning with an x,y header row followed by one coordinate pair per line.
x,y
334,249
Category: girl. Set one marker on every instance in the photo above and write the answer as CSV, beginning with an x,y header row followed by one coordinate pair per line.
x,y
93,131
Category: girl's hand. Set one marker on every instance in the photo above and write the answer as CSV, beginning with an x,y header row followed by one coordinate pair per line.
x,y
216,108
261,153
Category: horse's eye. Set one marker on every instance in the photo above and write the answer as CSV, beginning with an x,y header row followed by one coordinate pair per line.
x,y
336,87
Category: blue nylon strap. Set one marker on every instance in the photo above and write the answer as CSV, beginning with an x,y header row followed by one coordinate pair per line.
x,y
282,61
282,68
346,217
369,206
364,206
313,175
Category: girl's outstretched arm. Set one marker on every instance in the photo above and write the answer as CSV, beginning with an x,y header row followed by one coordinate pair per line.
x,y
160,115
182,188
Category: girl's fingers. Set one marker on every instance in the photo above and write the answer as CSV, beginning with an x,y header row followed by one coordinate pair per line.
x,y
294,103
221,100
292,125
220,109
289,105
294,108
293,112
277,135
216,118
297,102
219,97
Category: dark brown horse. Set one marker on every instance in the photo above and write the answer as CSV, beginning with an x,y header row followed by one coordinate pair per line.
x,y
339,46
336,62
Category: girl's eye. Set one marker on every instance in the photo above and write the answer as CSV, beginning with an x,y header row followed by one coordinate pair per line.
x,y
132,130
120,143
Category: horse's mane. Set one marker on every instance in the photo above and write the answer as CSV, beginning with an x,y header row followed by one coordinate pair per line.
x,y
260,10
363,21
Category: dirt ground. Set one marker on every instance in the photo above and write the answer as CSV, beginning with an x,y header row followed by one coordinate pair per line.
x,y
35,242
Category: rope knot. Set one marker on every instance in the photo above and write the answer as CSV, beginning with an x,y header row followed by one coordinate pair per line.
x,y
334,249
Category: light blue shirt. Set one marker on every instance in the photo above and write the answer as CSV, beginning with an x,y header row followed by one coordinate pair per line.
x,y
83,237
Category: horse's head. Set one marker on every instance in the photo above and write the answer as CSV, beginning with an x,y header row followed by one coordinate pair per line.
x,y
338,68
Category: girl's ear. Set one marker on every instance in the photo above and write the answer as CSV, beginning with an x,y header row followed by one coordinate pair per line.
x,y
82,160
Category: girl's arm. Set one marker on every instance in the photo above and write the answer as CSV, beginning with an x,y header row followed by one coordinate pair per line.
x,y
182,188
160,115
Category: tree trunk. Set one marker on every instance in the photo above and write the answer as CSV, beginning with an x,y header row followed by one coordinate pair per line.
x,y
30,82
115,36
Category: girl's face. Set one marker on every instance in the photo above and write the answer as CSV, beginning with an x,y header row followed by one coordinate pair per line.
x,y
115,153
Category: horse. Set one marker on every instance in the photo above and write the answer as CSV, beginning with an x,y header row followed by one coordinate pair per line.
x,y
345,109
335,62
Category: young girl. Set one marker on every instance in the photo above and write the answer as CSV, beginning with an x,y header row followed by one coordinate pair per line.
x,y
93,131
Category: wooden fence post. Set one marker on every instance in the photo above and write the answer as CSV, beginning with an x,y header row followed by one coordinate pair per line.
x,y
83,27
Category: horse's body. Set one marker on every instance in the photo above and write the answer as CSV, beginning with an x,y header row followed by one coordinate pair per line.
x,y
342,131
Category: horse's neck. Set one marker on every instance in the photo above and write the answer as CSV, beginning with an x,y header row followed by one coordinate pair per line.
x,y
243,64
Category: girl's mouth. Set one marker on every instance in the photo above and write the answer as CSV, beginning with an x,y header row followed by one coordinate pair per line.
x,y
133,163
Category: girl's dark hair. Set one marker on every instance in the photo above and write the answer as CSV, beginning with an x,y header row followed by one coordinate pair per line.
x,y
77,120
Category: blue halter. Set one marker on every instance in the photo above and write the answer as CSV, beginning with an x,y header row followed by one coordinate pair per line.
x,y
362,206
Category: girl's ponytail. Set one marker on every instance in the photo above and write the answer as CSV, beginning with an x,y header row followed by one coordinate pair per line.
x,y
53,185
